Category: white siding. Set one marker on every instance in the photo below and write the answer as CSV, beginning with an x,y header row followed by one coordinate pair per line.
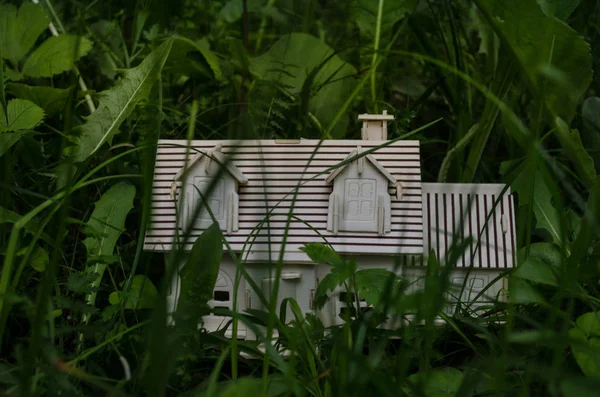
x,y
453,212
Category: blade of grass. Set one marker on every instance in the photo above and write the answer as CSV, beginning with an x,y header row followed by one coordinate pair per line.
x,y
374,62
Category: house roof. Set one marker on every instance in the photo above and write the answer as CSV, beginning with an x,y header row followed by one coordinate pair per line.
x,y
355,154
216,155
284,176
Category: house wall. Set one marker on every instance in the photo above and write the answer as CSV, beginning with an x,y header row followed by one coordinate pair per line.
x,y
299,281
225,285
454,212
476,281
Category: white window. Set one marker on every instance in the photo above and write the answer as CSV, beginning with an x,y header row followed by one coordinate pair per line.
x,y
198,199
222,299
470,292
223,293
215,201
360,199
345,305
198,178
288,285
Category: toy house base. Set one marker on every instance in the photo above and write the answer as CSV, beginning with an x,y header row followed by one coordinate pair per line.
x,y
363,197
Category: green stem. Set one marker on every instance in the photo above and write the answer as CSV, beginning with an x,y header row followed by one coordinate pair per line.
x,y
263,25
374,62
2,90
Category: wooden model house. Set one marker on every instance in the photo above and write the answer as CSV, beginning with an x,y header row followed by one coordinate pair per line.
x,y
374,208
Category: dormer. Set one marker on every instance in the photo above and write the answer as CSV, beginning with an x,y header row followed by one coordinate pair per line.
x,y
210,182
360,201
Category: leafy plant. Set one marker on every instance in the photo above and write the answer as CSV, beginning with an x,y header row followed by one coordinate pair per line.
x,y
18,33
103,229
117,103
20,115
367,284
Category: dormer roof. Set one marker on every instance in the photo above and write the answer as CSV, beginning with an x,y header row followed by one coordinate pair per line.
x,y
359,160
216,155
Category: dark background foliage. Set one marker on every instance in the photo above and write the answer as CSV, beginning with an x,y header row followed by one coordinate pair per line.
x,y
495,90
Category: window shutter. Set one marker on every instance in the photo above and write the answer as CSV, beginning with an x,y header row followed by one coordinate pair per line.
x,y
380,215
333,216
232,212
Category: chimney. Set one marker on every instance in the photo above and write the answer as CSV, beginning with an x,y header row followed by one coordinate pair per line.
x,y
374,126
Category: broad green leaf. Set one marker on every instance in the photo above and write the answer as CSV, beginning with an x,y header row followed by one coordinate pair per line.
x,y
560,9
342,270
8,216
7,140
39,259
242,387
81,282
109,33
56,55
442,382
73,305
489,42
542,264
588,233
585,343
321,253
371,284
141,295
117,103
580,387
546,215
521,291
393,11
571,142
590,133
182,57
52,100
20,114
13,75
299,54
330,282
108,219
233,9
590,112
104,228
198,277
553,58
19,30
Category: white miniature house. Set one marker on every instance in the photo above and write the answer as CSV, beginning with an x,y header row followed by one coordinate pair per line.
x,y
374,208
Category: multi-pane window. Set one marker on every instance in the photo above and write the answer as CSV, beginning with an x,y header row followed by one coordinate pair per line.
x,y
360,199
215,200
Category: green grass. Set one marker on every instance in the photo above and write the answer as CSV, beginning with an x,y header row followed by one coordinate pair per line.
x,y
494,94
